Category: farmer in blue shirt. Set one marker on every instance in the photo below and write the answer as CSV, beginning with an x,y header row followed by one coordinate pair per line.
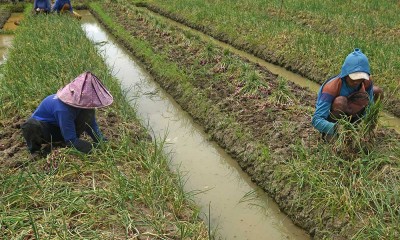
x,y
64,116
62,5
42,6
345,94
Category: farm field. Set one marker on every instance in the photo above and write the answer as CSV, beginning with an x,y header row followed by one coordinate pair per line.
x,y
309,37
260,118
124,189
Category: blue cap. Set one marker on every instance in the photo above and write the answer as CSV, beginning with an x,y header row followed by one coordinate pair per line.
x,y
356,61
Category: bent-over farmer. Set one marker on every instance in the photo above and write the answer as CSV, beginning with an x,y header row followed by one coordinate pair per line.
x,y
66,115
347,94
61,6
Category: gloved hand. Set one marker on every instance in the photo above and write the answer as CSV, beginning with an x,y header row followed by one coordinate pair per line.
x,y
97,143
81,145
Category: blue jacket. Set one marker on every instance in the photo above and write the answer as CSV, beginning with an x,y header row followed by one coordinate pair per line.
x,y
54,111
59,4
337,86
42,4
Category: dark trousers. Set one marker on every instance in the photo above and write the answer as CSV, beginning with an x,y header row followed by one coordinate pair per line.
x,y
38,132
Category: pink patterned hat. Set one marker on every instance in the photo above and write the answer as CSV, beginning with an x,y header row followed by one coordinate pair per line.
x,y
85,91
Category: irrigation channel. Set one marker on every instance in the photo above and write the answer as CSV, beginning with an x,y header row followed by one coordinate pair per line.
x,y
5,43
6,40
13,21
238,208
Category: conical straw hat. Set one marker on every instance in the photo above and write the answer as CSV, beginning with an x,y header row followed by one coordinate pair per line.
x,y
85,91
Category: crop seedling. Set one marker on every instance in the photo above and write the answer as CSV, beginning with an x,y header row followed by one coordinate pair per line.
x,y
281,94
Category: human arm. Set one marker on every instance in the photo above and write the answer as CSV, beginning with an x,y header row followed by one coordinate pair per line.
x,y
94,131
66,123
48,5
370,91
70,6
326,95
319,120
56,6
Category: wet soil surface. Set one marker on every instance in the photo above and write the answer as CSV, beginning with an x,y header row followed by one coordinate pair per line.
x,y
264,109
4,15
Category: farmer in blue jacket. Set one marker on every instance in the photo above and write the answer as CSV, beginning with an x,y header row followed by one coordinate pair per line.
x,y
42,6
345,94
62,5
64,116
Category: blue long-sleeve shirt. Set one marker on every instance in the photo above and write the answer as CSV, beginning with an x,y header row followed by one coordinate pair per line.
x,y
60,3
54,111
328,92
42,4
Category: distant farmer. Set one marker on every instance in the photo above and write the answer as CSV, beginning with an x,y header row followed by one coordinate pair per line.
x,y
64,116
42,6
346,94
61,6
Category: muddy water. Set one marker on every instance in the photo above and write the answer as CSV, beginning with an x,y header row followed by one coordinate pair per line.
x,y
239,209
386,119
5,43
13,21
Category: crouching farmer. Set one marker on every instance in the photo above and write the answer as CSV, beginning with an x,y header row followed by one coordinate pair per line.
x,y
347,94
66,115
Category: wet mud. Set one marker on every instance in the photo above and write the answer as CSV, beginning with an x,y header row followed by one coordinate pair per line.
x,y
6,9
265,115
4,15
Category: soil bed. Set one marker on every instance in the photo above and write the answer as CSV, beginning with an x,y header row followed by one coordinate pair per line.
x,y
264,122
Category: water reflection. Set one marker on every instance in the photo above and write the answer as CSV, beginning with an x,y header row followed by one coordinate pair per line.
x,y
5,43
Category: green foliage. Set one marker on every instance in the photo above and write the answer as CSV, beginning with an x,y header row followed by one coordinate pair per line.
x,y
253,83
281,94
357,138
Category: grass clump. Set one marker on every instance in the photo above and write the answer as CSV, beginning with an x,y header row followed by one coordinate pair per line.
x,y
355,138
281,93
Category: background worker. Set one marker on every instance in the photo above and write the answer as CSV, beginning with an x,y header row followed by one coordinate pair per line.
x,y
347,94
61,6
42,6
66,115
